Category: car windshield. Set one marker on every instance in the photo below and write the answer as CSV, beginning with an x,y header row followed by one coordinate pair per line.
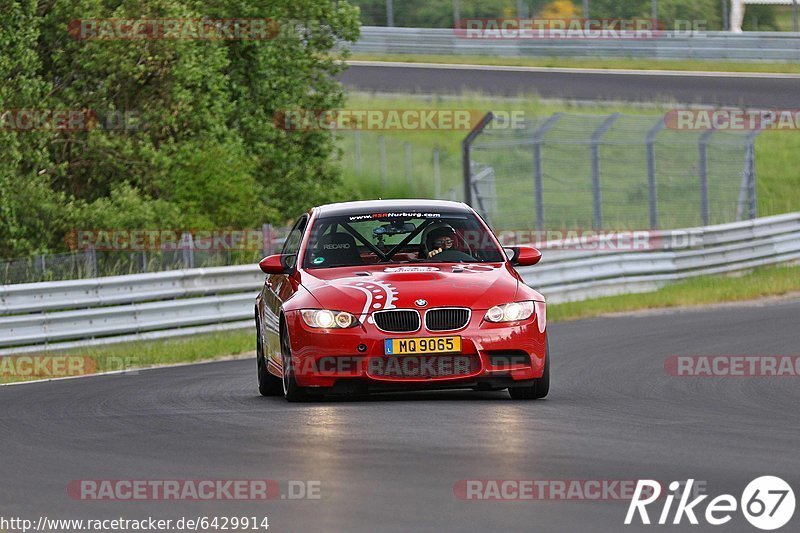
x,y
362,239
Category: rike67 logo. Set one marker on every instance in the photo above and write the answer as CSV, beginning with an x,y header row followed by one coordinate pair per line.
x,y
767,503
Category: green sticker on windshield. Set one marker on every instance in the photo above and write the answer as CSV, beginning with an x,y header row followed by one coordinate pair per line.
x,y
319,260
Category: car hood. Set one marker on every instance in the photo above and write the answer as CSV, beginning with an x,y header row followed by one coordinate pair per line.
x,y
368,288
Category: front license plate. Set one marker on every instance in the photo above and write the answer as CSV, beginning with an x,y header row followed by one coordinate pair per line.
x,y
419,345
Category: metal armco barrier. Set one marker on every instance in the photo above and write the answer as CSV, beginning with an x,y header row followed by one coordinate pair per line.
x,y
65,314
577,275
749,46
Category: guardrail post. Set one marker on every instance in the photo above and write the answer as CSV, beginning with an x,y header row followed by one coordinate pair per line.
x,y
702,145
538,189
465,159
596,193
651,172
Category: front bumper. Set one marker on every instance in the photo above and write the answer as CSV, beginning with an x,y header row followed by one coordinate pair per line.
x,y
492,356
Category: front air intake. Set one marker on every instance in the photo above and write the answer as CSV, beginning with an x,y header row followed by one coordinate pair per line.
x,y
448,319
397,320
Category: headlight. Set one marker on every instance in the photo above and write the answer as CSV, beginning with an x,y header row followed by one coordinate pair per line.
x,y
322,318
510,312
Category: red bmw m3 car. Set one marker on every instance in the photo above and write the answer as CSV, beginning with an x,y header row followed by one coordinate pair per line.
x,y
392,295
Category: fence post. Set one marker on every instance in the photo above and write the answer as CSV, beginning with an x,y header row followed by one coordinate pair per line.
x,y
91,262
38,267
538,190
465,159
726,25
357,141
598,203
437,183
409,170
389,13
188,249
702,145
753,189
651,172
382,146
266,239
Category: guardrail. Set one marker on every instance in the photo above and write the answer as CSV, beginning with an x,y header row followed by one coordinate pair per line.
x,y
577,275
749,46
67,314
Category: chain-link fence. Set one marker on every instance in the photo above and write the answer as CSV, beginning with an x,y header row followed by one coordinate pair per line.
x,y
92,263
382,166
611,172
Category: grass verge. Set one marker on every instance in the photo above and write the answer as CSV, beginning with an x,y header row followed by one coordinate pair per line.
x,y
141,354
593,63
761,282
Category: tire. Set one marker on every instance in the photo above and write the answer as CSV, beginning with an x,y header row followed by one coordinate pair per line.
x,y
268,385
291,390
540,387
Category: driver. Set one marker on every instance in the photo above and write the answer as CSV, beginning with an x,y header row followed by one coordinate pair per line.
x,y
440,239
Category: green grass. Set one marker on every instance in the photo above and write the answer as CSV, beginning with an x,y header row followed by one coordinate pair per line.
x,y
761,282
593,63
142,354
777,164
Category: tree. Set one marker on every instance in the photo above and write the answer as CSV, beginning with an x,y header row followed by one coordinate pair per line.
x,y
201,149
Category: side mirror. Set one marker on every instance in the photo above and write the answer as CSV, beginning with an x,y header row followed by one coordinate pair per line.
x,y
272,264
523,255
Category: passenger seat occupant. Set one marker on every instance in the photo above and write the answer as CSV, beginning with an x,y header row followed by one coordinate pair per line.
x,y
337,249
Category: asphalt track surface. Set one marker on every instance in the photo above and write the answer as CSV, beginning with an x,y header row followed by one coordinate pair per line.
x,y
390,462
738,89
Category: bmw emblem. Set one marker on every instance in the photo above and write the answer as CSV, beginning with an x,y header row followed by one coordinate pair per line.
x,y
421,302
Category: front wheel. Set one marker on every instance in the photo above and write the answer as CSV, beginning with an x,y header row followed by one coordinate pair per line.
x,y
291,390
540,387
